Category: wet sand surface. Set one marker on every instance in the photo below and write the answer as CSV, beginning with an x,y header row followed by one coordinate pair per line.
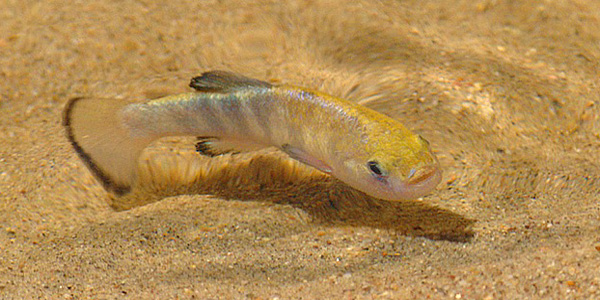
x,y
505,91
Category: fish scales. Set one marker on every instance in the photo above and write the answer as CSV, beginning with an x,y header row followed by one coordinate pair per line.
x,y
281,116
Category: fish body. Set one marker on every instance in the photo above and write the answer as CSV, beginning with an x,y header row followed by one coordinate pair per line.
x,y
231,113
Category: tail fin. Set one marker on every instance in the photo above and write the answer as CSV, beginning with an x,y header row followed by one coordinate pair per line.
x,y
96,132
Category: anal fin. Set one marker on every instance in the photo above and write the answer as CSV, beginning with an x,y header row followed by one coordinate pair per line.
x,y
214,146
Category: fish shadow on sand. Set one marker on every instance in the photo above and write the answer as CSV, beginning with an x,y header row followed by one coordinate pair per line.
x,y
270,177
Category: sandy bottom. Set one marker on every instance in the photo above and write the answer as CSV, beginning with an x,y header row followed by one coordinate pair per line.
x,y
505,91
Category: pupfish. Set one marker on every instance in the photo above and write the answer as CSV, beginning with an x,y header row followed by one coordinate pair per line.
x,y
230,113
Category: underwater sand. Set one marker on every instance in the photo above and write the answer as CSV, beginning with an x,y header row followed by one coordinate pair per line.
x,y
507,92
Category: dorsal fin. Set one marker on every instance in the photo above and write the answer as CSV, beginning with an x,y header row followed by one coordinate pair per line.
x,y
223,82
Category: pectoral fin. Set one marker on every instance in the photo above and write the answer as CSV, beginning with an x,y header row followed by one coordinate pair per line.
x,y
303,157
212,146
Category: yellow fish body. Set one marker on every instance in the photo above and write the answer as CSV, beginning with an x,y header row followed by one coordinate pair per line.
x,y
231,113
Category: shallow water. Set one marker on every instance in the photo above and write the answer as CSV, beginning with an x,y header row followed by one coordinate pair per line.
x,y
505,91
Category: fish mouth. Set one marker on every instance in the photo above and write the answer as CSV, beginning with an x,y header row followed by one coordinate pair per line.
x,y
420,182
422,174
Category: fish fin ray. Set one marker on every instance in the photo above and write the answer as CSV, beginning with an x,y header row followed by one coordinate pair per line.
x,y
214,146
305,158
224,82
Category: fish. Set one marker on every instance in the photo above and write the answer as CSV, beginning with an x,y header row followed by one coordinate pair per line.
x,y
230,113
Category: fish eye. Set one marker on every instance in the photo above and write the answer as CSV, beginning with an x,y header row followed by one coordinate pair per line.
x,y
376,168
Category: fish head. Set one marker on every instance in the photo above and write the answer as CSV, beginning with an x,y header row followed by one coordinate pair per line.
x,y
396,168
